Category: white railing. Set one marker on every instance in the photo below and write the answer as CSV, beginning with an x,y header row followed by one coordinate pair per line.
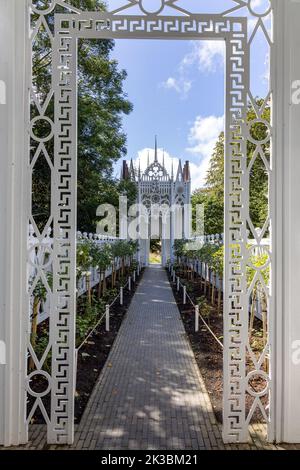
x,y
40,255
205,272
219,239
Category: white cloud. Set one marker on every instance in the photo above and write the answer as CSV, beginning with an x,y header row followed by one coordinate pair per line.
x,y
203,136
142,158
208,56
198,173
181,86
196,170
205,129
171,83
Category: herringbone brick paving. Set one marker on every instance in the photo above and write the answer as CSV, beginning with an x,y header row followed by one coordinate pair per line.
x,y
150,394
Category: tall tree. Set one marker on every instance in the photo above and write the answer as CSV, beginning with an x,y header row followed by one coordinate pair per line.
x,y
212,195
101,106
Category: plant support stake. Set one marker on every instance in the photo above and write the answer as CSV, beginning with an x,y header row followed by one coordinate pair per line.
x,y
196,318
107,318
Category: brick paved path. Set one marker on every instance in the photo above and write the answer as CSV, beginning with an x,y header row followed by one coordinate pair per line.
x,y
150,394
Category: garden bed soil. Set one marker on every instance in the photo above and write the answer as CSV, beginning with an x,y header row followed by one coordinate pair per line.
x,y
91,358
93,355
208,353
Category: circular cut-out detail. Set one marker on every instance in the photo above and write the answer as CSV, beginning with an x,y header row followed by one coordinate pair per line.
x,y
262,254
48,130
152,6
260,8
255,380
266,127
41,7
37,255
41,380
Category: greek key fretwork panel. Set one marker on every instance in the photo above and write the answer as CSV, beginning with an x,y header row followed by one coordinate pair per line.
x,y
108,25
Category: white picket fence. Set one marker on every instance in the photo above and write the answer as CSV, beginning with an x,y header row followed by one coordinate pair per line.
x,y
219,239
39,254
202,269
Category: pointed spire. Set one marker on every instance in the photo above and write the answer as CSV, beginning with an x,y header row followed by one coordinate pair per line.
x,y
139,168
179,171
132,171
172,170
155,154
164,158
148,159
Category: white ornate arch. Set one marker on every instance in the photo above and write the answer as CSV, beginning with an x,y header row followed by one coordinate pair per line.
x,y
133,20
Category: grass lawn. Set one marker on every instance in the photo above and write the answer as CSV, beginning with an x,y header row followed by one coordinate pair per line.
x,y
155,258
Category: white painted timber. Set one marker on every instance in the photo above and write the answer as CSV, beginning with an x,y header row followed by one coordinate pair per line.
x,y
13,206
286,72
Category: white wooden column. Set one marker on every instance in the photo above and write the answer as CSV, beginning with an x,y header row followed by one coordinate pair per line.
x,y
172,227
285,68
123,211
14,191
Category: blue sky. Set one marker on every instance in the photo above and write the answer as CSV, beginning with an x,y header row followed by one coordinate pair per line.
x,y
177,89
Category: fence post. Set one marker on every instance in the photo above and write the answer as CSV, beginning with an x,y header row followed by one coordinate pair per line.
x,y
184,295
88,287
121,295
129,283
174,275
196,318
107,318
178,285
134,276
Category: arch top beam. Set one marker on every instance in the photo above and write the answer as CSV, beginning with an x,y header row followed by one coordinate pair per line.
x,y
110,26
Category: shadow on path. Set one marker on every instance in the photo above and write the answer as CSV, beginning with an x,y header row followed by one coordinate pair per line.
x,y
150,394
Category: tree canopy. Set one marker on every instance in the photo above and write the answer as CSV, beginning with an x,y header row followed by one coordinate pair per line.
x,y
212,195
102,103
